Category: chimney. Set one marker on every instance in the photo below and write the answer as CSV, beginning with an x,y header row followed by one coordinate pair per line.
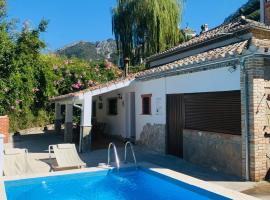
x,y
126,61
204,28
265,11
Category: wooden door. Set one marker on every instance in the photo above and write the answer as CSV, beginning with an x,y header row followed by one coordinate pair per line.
x,y
175,124
132,117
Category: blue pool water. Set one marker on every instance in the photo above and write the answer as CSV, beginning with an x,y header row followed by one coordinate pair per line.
x,y
106,185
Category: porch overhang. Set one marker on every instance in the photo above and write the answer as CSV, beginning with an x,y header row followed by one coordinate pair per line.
x,y
83,101
78,97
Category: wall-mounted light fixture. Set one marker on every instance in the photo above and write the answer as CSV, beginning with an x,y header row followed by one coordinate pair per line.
x,y
100,98
232,69
119,96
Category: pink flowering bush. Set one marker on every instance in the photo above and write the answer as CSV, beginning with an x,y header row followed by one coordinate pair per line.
x,y
108,65
78,85
78,74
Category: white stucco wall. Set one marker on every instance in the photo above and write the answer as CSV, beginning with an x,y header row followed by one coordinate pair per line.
x,y
205,81
115,124
157,88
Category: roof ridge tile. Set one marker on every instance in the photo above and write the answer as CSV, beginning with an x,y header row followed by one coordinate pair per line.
x,y
215,32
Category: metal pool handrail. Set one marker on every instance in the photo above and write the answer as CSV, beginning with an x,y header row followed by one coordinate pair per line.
x,y
115,154
132,150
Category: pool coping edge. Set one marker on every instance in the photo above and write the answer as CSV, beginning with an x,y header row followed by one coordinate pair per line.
x,y
211,187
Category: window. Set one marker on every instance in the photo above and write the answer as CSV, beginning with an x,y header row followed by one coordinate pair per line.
x,y
215,112
146,104
112,106
94,109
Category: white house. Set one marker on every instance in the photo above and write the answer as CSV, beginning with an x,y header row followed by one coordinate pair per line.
x,y
203,101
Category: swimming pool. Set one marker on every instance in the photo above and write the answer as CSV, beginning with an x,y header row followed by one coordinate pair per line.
x,y
125,184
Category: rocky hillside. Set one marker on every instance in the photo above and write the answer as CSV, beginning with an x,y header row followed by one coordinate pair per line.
x,y
251,10
91,51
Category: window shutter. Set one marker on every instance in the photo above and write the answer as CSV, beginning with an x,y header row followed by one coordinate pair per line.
x,y
214,112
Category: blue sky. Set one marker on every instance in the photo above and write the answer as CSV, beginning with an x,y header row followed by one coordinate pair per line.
x,y
90,20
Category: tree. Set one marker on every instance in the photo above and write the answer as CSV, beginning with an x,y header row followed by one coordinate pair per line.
x,y
25,89
28,78
146,27
2,8
6,59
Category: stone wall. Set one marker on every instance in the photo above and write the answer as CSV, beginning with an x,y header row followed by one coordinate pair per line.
x,y
68,133
86,140
153,137
267,106
218,151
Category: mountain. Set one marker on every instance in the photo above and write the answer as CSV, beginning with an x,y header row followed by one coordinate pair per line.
x,y
250,10
91,51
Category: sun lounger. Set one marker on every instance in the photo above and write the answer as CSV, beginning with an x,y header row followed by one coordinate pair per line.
x,y
66,157
16,162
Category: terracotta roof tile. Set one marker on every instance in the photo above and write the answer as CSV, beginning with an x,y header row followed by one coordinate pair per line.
x,y
211,55
219,31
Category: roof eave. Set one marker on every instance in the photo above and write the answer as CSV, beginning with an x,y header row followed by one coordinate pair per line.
x,y
97,91
198,67
67,97
182,49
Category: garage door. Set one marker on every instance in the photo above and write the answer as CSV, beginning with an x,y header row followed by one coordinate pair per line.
x,y
214,112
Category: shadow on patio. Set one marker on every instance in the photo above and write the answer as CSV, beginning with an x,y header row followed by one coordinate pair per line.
x,y
39,142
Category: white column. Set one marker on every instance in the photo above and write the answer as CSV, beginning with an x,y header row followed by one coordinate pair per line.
x,y
87,110
86,124
68,136
1,154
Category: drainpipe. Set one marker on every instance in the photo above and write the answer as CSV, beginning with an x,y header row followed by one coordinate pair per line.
x,y
246,101
80,142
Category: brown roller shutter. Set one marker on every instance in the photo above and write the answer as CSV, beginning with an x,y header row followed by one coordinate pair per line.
x,y
215,112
